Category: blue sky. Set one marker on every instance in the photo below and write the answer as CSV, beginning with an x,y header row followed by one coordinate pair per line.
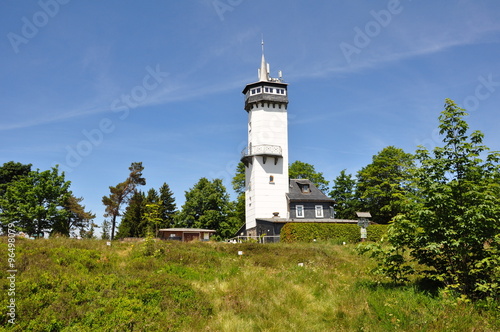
x,y
95,85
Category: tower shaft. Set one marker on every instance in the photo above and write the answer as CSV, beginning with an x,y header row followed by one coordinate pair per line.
x,y
266,156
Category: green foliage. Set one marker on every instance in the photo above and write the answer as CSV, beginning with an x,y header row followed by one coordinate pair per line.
x,y
152,217
238,181
349,233
132,223
301,170
77,217
238,211
392,260
10,172
343,192
383,185
452,227
207,206
149,247
121,194
138,217
105,230
490,266
35,202
168,208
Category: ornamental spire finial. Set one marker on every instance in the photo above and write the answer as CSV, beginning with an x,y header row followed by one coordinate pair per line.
x,y
263,71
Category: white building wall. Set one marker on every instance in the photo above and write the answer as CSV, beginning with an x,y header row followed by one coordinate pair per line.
x,y
267,126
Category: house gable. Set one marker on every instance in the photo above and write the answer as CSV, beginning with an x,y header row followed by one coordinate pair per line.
x,y
306,201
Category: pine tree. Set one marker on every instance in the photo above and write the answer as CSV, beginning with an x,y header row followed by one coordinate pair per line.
x,y
121,193
167,207
105,230
133,223
343,192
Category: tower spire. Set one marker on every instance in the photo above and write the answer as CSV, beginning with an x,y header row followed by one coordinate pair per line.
x,y
263,72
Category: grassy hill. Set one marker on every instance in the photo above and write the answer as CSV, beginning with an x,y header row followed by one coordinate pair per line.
x,y
85,285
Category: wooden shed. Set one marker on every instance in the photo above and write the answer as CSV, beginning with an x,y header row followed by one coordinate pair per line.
x,y
185,234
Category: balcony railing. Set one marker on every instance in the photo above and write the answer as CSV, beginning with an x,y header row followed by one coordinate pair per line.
x,y
264,150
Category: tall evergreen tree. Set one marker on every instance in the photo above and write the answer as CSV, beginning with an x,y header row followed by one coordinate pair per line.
x,y
152,196
133,223
167,207
343,192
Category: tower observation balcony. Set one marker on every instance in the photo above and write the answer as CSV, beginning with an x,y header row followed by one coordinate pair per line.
x,y
271,93
263,150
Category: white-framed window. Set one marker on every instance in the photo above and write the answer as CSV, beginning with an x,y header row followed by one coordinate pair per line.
x,y
319,211
299,211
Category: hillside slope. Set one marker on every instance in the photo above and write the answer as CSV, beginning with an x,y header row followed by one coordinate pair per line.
x,y
85,285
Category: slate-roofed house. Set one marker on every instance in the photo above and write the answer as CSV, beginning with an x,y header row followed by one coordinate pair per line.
x,y
305,201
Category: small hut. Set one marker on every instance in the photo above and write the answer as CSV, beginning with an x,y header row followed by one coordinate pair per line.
x,y
185,234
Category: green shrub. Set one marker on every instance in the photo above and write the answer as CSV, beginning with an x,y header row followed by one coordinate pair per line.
x,y
349,233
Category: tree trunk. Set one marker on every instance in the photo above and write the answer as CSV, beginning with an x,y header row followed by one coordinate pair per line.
x,y
113,223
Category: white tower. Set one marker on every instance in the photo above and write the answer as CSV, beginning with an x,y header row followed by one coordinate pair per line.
x,y
266,157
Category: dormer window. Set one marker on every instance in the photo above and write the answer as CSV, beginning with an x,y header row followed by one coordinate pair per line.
x,y
305,188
